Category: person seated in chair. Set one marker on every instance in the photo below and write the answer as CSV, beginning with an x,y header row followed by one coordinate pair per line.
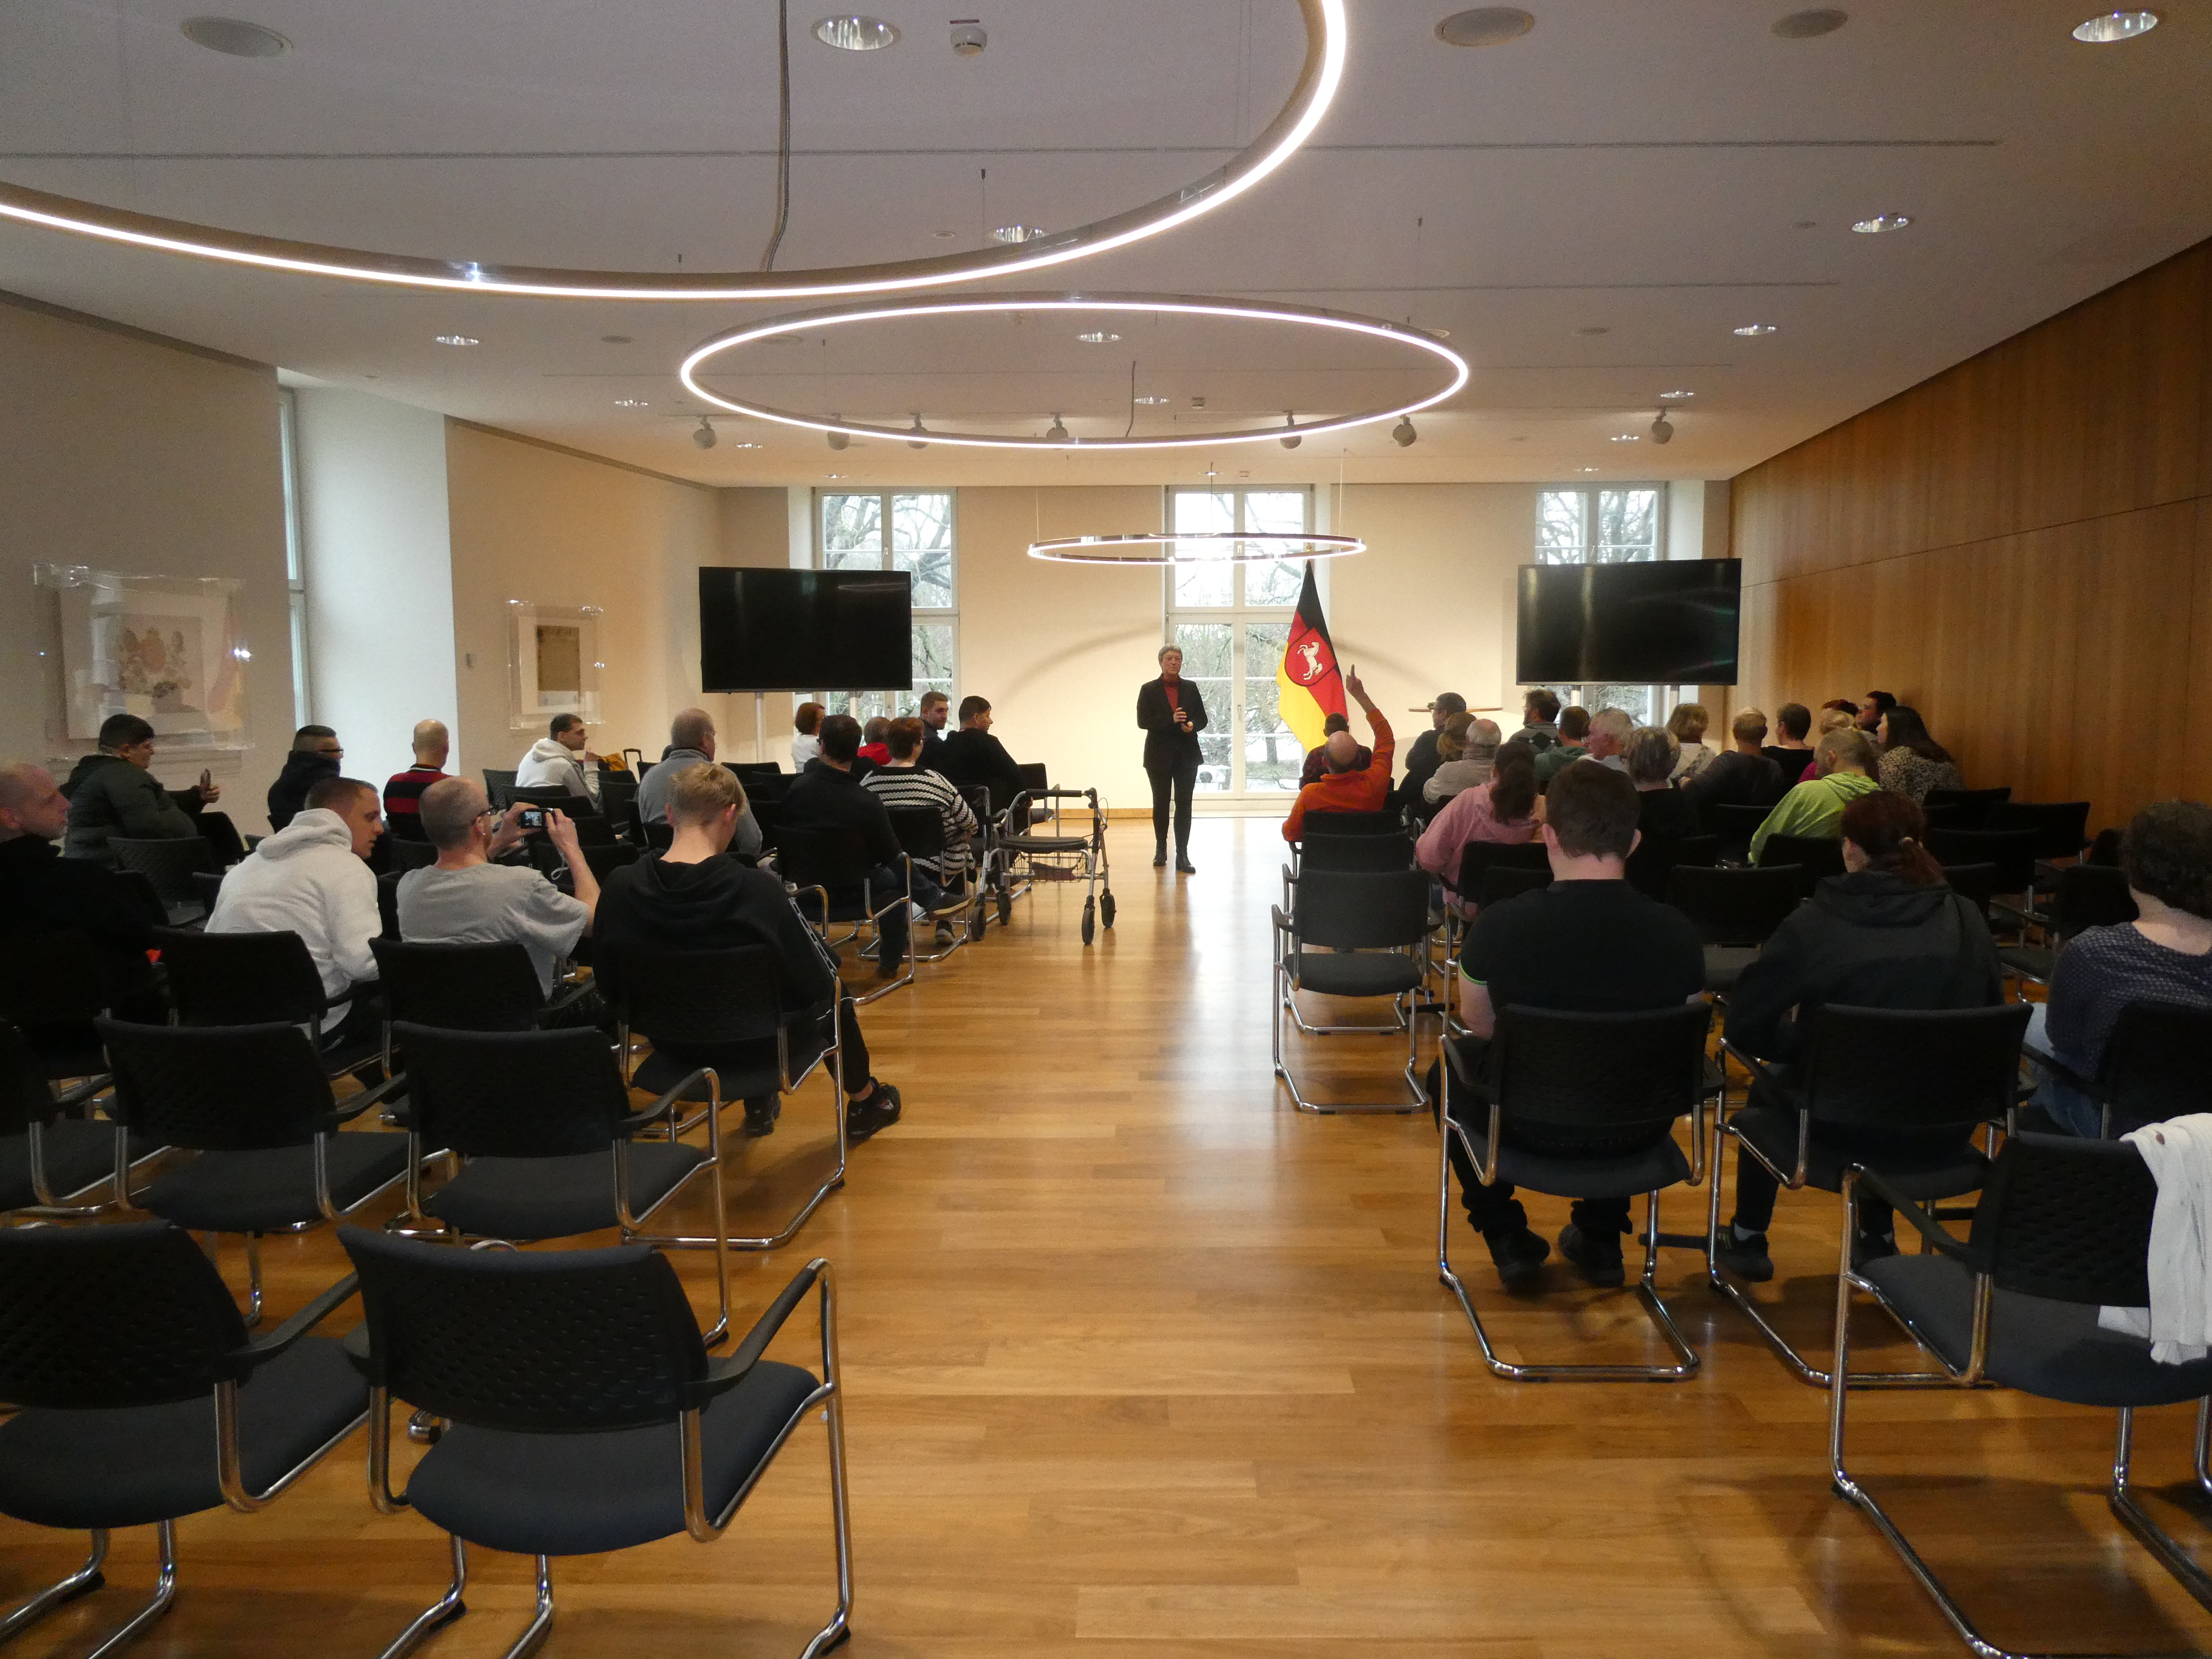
x,y
1843,768
1743,776
314,756
114,793
1912,762
692,743
1316,761
807,740
1502,811
1467,749
1588,943
1346,788
974,759
1664,812
1422,758
312,878
692,898
935,708
1792,753
403,791
1888,933
43,893
1571,744
557,760
903,782
1539,721
827,796
873,748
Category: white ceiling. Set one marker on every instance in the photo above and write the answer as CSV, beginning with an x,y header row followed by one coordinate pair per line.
x,y
1599,204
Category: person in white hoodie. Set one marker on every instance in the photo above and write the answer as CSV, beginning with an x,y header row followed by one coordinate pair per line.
x,y
556,761
312,878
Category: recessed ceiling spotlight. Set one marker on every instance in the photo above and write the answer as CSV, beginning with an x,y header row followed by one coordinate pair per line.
x,y
459,340
1017,232
1811,25
2107,27
1485,26
747,446
632,403
1749,328
942,235
1625,437
851,34
1881,222
1097,337
235,37
1668,397
833,475
1595,328
1585,469
613,339
1153,403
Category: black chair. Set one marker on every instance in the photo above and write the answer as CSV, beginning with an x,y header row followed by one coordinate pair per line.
x,y
253,1103
2061,830
1941,1074
584,1414
2083,896
2063,1230
50,1157
463,988
550,1145
1502,882
1817,857
1353,933
920,832
1391,850
1736,911
208,886
252,979
403,856
52,987
1606,1074
1975,882
818,863
143,1399
2152,1067
2013,852
618,800
499,786
717,1000
1735,826
1975,804
1478,860
170,863
762,780
1651,867
578,807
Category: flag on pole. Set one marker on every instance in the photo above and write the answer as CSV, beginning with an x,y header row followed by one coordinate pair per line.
x,y
1310,685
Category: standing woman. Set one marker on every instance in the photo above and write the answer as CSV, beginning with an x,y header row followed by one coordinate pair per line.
x,y
1172,715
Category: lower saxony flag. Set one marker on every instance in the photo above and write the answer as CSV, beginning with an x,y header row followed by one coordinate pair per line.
x,y
1310,684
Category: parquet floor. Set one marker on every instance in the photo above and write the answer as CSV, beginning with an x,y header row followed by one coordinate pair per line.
x,y
1143,1365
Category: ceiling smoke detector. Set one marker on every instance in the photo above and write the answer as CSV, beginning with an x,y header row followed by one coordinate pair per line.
x,y
1485,26
967,37
1811,25
851,34
233,37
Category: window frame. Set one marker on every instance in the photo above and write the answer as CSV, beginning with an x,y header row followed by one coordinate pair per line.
x,y
295,568
861,704
1578,695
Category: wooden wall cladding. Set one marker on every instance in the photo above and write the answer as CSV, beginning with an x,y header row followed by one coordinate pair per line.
x,y
2022,547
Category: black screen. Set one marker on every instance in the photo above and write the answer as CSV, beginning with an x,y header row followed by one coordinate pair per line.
x,y
1672,623
806,630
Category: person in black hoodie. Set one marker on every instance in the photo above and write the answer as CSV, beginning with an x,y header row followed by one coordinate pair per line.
x,y
829,795
315,755
1888,933
43,893
973,758
690,897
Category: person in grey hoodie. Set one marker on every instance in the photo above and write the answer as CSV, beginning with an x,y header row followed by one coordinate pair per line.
x,y
557,760
115,792
311,878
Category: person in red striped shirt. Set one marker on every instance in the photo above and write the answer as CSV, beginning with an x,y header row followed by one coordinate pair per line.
x,y
403,793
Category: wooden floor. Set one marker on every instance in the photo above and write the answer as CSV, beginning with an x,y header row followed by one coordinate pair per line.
x,y
1141,1363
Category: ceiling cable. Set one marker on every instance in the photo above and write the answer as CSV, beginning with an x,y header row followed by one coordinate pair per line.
x,y
783,135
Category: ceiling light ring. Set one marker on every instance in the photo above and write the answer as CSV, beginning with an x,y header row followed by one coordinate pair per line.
x,y
1319,78
1178,304
1268,548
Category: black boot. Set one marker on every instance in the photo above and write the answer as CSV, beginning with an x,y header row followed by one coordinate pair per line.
x,y
1160,855
1182,861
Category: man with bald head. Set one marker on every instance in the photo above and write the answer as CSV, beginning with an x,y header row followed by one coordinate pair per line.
x,y
1346,787
403,794
465,898
41,892
690,743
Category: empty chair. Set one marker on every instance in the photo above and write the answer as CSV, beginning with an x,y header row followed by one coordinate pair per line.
x,y
762,780
577,807
618,800
1818,857
1735,825
170,864
1735,911
2083,896
52,987
2061,828
1976,883
2013,852
143,1399
49,1160
1356,934
1651,867
2062,1231
499,786
585,1414
1975,804
1350,823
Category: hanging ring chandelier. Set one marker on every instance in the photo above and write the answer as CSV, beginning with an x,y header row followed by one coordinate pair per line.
x,y
1453,367
1318,80
1211,547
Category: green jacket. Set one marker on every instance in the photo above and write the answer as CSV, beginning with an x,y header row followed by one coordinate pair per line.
x,y
1552,762
1815,807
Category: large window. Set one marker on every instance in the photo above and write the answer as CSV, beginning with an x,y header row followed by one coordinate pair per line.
x,y
897,530
295,573
1611,525
1232,621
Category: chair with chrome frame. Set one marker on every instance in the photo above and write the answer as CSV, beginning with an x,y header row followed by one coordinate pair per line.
x,y
1736,911
921,831
254,979
169,862
1353,933
1613,1076
815,864
1932,1075
2083,896
52,987
1314,826
51,1159
2152,1067
714,1002
144,1400
2062,1231
583,1415
463,988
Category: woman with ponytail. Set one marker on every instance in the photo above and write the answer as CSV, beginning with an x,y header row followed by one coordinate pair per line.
x,y
1888,933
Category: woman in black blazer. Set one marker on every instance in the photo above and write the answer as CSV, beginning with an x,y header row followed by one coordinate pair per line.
x,y
1172,715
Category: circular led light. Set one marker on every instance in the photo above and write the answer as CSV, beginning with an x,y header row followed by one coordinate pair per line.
x,y
1881,223
233,37
1317,87
856,33
842,431
1204,547
1749,328
459,340
2107,27
1485,26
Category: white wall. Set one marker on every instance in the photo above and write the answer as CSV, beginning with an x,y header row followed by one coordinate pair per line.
x,y
377,556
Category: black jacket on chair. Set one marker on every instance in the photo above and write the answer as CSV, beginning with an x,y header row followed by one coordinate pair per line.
x,y
1167,745
823,798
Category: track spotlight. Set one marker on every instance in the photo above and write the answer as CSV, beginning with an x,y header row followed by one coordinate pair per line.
x,y
1290,440
1662,429
1403,435
838,439
705,436
1057,432
917,441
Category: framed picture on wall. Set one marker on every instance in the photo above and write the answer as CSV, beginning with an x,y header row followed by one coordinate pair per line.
x,y
169,650
554,662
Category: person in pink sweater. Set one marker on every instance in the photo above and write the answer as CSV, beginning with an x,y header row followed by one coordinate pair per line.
x,y
1503,809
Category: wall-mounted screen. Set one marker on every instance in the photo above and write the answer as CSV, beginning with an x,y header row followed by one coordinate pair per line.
x,y
1669,623
806,630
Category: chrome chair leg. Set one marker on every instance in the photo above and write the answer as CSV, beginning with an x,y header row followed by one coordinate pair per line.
x,y
165,1592
85,1580
1410,1027
446,1608
254,1281
528,1641
2171,1555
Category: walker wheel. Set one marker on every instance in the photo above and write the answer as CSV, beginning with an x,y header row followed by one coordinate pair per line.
x,y
1089,919
1005,907
1106,909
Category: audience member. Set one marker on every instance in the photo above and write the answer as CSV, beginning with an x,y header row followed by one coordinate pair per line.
x,y
2165,955
1608,737
827,796
1843,768
43,893
692,743
1664,811
874,749
1744,776
1421,757
1792,753
1502,810
465,898
1832,720
1689,723
1317,760
403,793
114,793
1539,716
314,756
975,759
690,897
1588,943
806,722
1467,749
1871,707
312,878
1569,744
936,709
557,760
902,783
1913,762
1888,933
1345,789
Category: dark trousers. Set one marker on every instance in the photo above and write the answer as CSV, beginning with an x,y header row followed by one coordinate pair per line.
x,y
806,1037
890,931
1493,1209
1176,779
1755,1189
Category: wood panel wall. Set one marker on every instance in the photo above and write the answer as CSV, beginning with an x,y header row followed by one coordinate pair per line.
x,y
2020,548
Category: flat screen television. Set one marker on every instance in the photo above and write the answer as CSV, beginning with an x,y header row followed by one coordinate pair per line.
x,y
1667,623
806,630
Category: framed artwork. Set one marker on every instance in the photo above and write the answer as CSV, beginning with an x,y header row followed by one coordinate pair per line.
x,y
169,650
554,662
